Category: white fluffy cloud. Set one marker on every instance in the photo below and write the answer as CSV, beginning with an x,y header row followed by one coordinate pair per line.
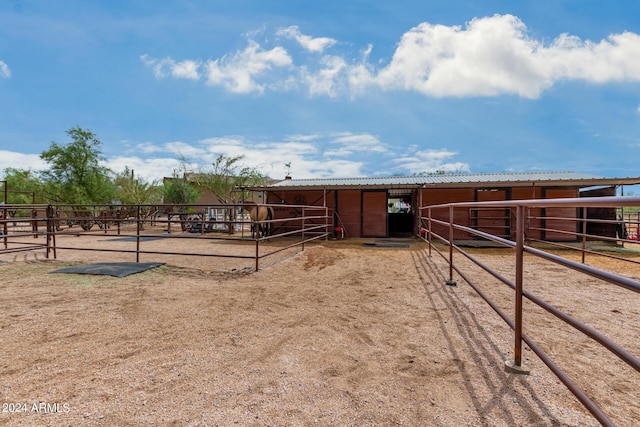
x,y
4,70
489,56
151,169
431,161
495,55
11,159
311,156
350,143
327,79
238,72
342,155
187,69
317,44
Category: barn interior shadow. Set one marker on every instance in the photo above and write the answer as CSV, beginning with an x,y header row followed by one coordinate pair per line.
x,y
489,361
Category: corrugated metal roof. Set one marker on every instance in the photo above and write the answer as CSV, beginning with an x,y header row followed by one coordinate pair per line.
x,y
451,180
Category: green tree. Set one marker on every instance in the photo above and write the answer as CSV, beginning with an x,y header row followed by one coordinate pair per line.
x,y
75,175
178,191
132,192
228,178
23,186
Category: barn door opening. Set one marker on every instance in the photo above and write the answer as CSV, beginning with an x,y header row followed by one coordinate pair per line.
x,y
400,210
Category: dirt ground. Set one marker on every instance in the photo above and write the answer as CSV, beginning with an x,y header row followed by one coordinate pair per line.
x,y
338,334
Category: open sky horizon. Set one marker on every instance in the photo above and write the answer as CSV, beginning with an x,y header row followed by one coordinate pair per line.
x,y
332,88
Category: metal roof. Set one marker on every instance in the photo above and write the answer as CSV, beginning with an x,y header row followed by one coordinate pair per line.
x,y
511,179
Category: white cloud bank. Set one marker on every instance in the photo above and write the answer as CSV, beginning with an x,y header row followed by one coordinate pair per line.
x,y
493,56
5,72
341,154
431,161
237,72
11,159
489,56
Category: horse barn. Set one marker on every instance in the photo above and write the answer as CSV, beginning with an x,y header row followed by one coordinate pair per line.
x,y
389,206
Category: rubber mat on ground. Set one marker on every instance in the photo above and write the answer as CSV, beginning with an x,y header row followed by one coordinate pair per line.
x,y
115,269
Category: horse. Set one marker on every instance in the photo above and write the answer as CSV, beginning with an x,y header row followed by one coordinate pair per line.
x,y
260,213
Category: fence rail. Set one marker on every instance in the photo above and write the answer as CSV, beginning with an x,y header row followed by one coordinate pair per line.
x,y
524,213
229,222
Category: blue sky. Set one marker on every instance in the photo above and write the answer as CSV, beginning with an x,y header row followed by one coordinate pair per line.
x,y
335,88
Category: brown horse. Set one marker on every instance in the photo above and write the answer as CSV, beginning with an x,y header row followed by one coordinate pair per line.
x,y
260,213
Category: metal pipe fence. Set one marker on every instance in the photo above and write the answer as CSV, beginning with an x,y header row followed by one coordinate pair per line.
x,y
140,223
443,217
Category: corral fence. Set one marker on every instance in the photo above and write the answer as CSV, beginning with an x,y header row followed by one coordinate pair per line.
x,y
631,224
566,220
22,226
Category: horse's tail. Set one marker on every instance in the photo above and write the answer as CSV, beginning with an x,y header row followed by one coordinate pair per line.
x,y
269,226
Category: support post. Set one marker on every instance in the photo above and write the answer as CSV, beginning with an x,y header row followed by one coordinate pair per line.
x,y
303,225
257,252
450,281
429,229
584,233
515,365
50,228
5,229
138,234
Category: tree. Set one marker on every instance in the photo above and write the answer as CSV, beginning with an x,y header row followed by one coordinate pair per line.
x,y
23,186
228,178
178,191
136,191
75,175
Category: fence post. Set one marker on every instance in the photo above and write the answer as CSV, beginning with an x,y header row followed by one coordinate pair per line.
x,y
5,229
515,365
429,229
450,281
34,223
584,232
50,228
138,234
303,225
257,252
326,222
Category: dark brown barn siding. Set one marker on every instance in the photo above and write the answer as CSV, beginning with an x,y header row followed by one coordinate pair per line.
x,y
559,229
437,196
363,213
533,223
492,220
374,214
349,211
308,198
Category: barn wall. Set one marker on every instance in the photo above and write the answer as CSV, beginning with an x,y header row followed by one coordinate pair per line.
x,y
494,221
555,227
533,223
309,198
349,210
374,214
351,207
287,198
437,196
